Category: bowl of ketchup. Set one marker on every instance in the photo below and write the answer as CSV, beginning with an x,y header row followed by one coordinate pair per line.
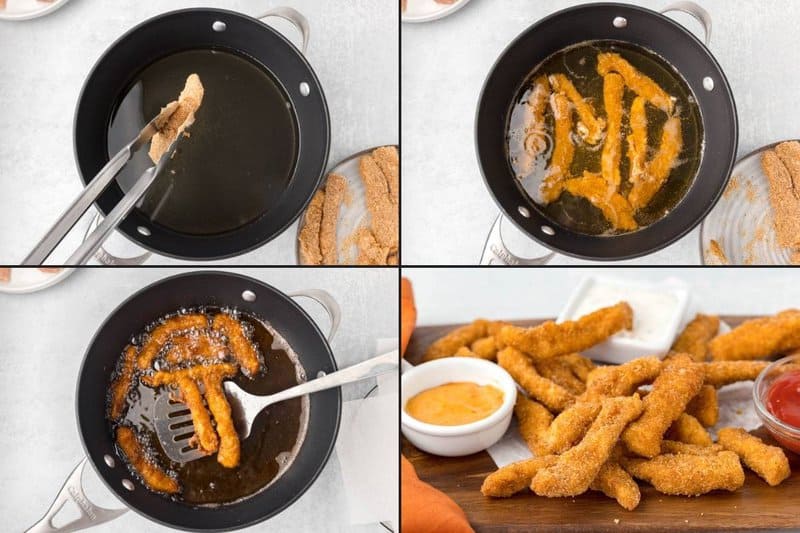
x,y
776,394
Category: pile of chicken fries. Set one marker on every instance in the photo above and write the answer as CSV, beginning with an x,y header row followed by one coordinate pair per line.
x,y
601,428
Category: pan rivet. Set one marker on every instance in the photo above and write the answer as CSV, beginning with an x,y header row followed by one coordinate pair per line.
x,y
305,90
524,211
143,231
708,83
128,484
321,374
547,230
109,460
219,26
620,22
249,296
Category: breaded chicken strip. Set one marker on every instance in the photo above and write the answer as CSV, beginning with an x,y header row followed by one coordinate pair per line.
x,y
563,150
204,434
534,141
769,462
162,333
719,373
759,338
152,476
578,467
615,207
560,372
533,420
462,336
705,406
521,368
679,381
242,348
688,475
485,348
613,91
687,429
229,446
637,140
694,338
581,366
660,167
636,81
197,372
188,103
310,251
513,478
122,384
335,191
675,447
551,340
590,127
615,482
196,346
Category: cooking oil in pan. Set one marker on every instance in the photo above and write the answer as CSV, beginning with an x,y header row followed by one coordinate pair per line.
x,y
241,153
579,64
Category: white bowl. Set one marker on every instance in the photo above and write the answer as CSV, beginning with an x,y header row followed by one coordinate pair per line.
x,y
455,441
652,334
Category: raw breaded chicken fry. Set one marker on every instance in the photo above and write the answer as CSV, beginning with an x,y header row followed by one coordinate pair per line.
x,y
719,373
578,467
678,383
689,430
694,338
533,420
551,340
520,366
705,406
511,479
769,462
615,482
688,475
461,336
759,338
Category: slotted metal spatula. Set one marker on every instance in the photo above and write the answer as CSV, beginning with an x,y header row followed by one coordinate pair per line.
x,y
173,422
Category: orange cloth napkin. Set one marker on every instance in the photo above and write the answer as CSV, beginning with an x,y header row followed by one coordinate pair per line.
x,y
424,509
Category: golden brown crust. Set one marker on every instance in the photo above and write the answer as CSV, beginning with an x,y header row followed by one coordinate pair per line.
x,y
758,338
195,346
152,476
515,477
122,384
689,430
204,434
687,474
613,91
635,80
590,127
229,446
455,339
533,420
521,368
613,481
705,406
242,348
720,373
694,338
660,167
162,333
769,462
615,207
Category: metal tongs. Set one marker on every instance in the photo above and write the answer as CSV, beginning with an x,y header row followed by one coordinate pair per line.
x,y
96,187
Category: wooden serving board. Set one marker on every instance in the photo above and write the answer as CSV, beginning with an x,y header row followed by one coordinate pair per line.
x,y
756,506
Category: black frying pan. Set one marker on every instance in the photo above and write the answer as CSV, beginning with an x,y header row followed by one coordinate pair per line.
x,y
641,27
191,29
150,303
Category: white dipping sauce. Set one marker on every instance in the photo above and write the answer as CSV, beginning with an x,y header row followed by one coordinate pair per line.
x,y
653,310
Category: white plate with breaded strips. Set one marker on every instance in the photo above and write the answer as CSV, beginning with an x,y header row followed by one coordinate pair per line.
x,y
757,219
28,9
353,219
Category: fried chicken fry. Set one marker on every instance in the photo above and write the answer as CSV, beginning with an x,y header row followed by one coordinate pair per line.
x,y
636,81
769,462
615,208
687,429
195,346
688,475
229,446
242,348
660,167
204,435
533,419
590,127
679,381
152,476
535,141
461,336
198,372
563,151
705,406
581,366
613,481
551,340
511,479
719,373
570,425
578,467
694,338
122,384
162,333
520,366
759,338
485,348
613,91
560,373
465,352
675,447
637,140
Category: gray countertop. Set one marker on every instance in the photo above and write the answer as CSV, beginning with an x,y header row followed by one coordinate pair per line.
x,y
447,211
44,337
44,62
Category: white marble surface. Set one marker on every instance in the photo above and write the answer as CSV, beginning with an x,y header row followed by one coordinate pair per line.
x,y
447,211
45,335
455,295
353,49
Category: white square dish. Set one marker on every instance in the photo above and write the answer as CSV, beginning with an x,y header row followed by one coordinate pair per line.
x,y
658,311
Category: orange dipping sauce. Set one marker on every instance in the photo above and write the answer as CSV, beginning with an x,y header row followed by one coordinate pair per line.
x,y
455,404
783,398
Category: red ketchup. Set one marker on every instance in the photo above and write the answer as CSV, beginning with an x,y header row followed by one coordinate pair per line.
x,y
783,401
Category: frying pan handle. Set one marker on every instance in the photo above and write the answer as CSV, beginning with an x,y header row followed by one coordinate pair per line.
x,y
495,251
327,301
295,17
91,515
106,258
690,8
